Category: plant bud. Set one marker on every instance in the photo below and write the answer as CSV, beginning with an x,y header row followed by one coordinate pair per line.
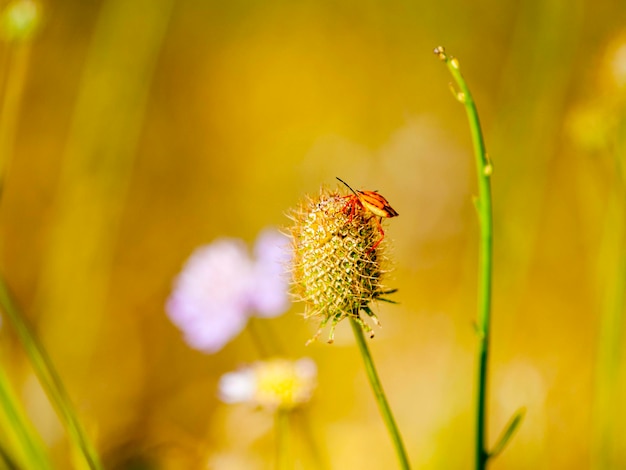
x,y
337,260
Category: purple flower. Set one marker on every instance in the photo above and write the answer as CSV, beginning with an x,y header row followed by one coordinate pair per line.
x,y
220,287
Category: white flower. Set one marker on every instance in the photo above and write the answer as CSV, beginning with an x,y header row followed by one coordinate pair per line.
x,y
271,384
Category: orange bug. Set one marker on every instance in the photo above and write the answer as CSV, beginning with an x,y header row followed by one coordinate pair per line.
x,y
373,202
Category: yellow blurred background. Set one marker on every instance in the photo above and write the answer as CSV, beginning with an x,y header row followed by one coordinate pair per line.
x,y
147,128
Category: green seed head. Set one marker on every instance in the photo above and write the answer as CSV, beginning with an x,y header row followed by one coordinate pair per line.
x,y
337,259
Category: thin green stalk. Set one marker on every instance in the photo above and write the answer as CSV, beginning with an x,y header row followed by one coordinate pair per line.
x,y
25,443
19,21
319,460
49,378
613,256
265,340
484,209
283,447
379,394
268,345
16,68
253,329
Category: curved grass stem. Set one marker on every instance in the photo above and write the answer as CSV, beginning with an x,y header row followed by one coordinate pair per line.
x,y
25,443
484,210
611,336
50,380
379,394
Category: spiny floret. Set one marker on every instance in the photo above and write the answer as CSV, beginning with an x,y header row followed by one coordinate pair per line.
x,y
337,260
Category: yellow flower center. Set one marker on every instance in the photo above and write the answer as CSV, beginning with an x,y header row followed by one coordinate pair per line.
x,y
282,384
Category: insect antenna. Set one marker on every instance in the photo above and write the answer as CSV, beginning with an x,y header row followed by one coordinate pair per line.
x,y
355,193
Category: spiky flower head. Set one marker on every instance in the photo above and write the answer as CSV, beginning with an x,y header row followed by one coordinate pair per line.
x,y
338,258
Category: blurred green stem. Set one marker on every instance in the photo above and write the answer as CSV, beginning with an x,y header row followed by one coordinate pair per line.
x,y
283,447
5,461
319,460
484,209
379,394
24,440
15,68
49,378
25,443
83,232
268,345
265,340
254,330
612,322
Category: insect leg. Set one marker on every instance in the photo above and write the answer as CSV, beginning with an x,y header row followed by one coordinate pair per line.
x,y
382,233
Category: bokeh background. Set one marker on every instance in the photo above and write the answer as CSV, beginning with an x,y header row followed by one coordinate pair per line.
x,y
147,128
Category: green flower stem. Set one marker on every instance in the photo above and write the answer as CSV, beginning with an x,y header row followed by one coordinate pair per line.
x,y
253,328
266,341
50,380
610,342
15,69
16,31
484,209
283,448
379,394
25,442
319,460
268,345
